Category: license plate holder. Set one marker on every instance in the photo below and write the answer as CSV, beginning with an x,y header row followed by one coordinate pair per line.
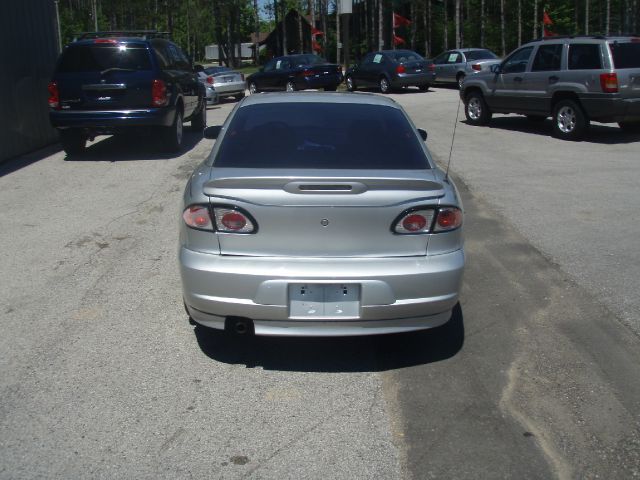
x,y
324,300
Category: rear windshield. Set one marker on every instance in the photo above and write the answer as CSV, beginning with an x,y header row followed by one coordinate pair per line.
x,y
98,58
626,55
320,135
404,56
480,55
299,60
216,70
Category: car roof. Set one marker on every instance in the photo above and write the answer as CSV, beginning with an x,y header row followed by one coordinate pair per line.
x,y
92,41
318,97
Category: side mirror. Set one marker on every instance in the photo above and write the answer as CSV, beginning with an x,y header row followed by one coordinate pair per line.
x,y
423,134
496,68
212,132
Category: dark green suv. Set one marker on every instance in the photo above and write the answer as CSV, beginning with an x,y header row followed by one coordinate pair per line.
x,y
109,83
573,80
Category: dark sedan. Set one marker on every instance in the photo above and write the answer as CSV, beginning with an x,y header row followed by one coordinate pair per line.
x,y
391,69
296,72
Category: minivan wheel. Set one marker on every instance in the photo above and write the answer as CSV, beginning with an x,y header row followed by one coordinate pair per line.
x,y
384,85
630,127
199,120
173,138
73,141
476,109
290,87
569,121
351,85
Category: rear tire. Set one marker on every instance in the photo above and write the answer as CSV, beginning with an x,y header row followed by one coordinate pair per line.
x,y
173,135
424,88
384,85
199,120
476,109
630,127
240,96
351,85
73,141
290,86
253,88
569,121
460,79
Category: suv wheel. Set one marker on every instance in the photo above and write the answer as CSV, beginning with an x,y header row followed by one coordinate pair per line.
x,y
351,85
73,141
569,121
476,109
290,87
384,85
199,120
173,138
425,87
630,127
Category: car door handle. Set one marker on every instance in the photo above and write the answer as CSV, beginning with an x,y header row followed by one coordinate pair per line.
x,y
517,79
553,79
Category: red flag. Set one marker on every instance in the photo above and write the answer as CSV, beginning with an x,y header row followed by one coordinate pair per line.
x,y
548,33
316,47
399,21
315,31
546,19
397,40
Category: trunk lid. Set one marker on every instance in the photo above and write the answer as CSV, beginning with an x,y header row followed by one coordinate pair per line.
x,y
322,214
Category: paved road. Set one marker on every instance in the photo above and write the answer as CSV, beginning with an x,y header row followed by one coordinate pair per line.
x,y
101,376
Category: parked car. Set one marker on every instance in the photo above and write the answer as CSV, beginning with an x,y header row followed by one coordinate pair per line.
x,y
453,66
296,72
320,214
225,81
573,80
391,69
211,96
109,83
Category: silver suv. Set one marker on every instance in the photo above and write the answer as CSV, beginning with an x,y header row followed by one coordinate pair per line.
x,y
574,80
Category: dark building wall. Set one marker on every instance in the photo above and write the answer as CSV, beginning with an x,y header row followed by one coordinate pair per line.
x,y
28,53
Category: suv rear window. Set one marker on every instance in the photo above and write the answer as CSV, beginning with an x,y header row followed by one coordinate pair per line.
x,y
320,135
97,58
584,56
626,55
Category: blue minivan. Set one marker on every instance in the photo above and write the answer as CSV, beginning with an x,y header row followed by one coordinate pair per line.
x,y
108,83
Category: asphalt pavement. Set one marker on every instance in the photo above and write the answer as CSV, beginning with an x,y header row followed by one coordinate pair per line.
x,y
535,376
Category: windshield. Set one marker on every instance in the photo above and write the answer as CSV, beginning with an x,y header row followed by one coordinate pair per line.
x,y
405,56
98,58
480,55
320,135
626,55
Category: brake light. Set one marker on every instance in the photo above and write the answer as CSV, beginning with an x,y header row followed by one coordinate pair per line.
x,y
210,80
307,73
432,67
159,97
400,69
54,95
609,82
448,218
417,221
105,40
231,220
197,216
477,67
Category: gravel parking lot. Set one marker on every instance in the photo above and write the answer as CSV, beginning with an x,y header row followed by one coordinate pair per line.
x,y
536,376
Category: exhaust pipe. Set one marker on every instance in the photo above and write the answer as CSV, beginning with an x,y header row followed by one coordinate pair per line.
x,y
239,326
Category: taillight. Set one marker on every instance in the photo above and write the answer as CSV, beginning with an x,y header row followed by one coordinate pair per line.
x,y
448,218
159,96
400,69
477,67
233,221
54,95
609,82
105,40
432,67
417,221
197,216
210,80
307,73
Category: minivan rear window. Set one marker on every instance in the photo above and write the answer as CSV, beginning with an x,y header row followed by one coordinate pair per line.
x,y
98,58
626,55
320,135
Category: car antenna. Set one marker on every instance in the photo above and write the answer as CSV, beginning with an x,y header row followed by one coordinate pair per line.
x,y
453,137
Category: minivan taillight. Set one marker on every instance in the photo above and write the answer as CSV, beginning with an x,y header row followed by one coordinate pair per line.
x,y
54,95
609,82
233,220
159,96
400,69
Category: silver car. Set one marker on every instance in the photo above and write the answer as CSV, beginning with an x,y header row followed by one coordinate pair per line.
x,y
320,215
225,82
456,65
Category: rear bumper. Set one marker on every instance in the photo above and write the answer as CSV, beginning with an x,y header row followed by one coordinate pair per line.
x,y
230,89
396,294
612,109
109,120
322,81
413,79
